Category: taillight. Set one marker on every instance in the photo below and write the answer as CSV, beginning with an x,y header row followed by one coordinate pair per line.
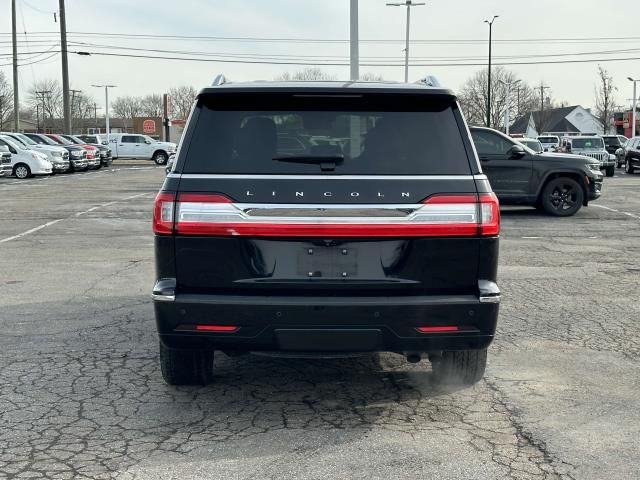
x,y
489,215
163,213
438,216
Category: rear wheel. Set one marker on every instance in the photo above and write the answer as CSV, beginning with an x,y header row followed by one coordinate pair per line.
x,y
186,367
628,168
465,367
22,171
562,197
160,158
610,171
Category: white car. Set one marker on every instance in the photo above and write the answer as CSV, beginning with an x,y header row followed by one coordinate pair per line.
x,y
131,145
550,143
58,156
26,163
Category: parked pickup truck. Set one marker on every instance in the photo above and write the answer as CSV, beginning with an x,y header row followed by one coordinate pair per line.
x,y
140,146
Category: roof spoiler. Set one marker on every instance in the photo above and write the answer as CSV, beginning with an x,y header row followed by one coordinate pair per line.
x,y
219,80
429,81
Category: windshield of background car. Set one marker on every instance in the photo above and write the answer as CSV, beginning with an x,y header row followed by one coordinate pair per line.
x,y
548,139
587,143
370,135
26,140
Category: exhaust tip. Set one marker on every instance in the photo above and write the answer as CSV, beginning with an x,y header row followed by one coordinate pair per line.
x,y
413,357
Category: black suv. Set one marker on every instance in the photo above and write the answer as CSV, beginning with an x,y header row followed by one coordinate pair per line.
x,y
381,235
560,184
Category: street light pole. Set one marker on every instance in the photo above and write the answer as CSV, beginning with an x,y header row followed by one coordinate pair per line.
x,y
106,105
490,23
633,109
507,113
408,4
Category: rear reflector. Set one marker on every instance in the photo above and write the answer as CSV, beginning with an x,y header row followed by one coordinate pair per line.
x,y
216,328
217,215
438,329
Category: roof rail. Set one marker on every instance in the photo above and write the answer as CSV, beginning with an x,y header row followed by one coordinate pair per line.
x,y
219,80
430,81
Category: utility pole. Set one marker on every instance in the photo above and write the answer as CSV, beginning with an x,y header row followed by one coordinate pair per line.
x,y
543,87
73,99
354,42
490,23
37,118
44,93
408,4
1,112
16,99
65,69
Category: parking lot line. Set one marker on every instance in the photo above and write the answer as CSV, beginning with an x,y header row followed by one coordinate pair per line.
x,y
28,232
78,214
618,211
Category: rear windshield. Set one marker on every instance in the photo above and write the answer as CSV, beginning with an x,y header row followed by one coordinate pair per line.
x,y
325,134
548,139
611,141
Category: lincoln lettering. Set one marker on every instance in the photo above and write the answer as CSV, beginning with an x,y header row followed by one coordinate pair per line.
x,y
250,193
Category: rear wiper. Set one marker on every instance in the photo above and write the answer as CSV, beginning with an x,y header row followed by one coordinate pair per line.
x,y
326,162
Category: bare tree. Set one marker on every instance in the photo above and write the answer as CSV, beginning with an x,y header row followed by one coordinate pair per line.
x,y
6,100
182,99
46,94
473,97
126,108
151,105
84,110
314,73
371,77
605,98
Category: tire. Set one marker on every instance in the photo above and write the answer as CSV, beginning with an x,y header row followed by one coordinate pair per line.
x,y
186,367
22,171
610,171
628,168
562,197
160,157
465,367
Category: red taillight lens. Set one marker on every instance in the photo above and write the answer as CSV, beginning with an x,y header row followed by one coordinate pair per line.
x,y
163,213
489,215
438,216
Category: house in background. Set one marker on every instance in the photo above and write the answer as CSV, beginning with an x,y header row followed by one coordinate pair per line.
x,y
574,120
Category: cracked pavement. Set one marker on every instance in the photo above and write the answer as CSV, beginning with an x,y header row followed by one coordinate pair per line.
x,y
81,396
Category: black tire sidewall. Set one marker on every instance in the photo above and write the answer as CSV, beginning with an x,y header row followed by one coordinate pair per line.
x,y
156,157
546,201
15,171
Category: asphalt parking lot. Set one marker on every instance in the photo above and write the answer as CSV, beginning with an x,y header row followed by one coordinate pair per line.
x,y
81,394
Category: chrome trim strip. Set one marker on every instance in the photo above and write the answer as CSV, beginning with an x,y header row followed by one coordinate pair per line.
x,y
490,299
213,176
163,298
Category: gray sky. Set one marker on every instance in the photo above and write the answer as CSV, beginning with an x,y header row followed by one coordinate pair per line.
x,y
329,19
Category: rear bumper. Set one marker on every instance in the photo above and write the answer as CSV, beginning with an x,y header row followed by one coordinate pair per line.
x,y
321,324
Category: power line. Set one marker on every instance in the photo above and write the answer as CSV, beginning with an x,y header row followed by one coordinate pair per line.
x,y
336,40
340,64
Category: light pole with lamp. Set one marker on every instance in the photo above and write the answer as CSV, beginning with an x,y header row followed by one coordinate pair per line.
x,y
408,4
490,23
106,105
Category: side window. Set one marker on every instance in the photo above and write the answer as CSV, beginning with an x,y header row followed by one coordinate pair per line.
x,y
489,143
128,139
139,139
